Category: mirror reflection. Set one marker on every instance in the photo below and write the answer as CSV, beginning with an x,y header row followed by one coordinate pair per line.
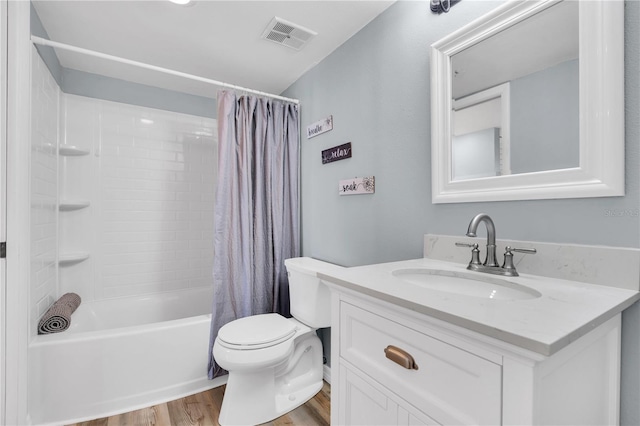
x,y
516,98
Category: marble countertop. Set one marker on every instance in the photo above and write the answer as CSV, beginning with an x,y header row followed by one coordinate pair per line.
x,y
565,311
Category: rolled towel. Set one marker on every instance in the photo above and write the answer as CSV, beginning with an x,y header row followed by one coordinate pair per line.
x,y
58,316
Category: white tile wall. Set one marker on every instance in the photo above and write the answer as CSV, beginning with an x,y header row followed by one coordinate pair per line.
x,y
151,181
45,96
80,128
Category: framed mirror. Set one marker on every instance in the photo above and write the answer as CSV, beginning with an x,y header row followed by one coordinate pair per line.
x,y
527,102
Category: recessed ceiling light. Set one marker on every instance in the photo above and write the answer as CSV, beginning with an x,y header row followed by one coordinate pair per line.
x,y
181,2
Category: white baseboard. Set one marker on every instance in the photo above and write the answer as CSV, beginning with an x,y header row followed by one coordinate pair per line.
x,y
326,373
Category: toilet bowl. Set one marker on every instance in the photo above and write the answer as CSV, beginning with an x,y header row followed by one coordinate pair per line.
x,y
275,364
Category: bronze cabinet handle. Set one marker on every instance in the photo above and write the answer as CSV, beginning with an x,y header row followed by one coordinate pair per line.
x,y
400,357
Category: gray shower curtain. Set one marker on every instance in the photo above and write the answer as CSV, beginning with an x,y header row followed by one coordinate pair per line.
x,y
256,210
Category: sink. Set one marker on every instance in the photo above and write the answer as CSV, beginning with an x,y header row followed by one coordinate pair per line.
x,y
466,284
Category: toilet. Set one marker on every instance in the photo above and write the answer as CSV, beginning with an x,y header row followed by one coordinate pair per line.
x,y
275,364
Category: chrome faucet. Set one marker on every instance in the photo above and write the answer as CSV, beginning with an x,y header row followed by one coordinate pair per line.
x,y
490,265
491,236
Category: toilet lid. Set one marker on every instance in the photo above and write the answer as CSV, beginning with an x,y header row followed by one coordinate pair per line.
x,y
257,331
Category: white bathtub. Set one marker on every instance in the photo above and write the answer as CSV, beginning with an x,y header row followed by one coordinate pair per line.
x,y
120,355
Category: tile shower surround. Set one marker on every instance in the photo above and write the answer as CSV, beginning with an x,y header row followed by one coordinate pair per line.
x,y
45,96
149,179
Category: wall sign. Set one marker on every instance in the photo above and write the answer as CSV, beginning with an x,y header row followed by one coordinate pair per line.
x,y
320,127
336,153
356,186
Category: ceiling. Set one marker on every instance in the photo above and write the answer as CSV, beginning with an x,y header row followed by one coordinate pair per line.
x,y
543,40
219,40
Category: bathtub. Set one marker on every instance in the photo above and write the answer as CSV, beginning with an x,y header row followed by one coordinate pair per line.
x,y
120,355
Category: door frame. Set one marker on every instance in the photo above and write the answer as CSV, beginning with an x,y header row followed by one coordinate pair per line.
x,y
18,172
3,200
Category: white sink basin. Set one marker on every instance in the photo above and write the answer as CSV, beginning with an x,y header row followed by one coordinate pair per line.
x,y
466,284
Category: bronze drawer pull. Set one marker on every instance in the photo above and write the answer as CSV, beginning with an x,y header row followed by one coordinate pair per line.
x,y
400,357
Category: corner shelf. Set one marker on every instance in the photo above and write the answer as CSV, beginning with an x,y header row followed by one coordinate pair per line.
x,y
68,205
72,151
71,258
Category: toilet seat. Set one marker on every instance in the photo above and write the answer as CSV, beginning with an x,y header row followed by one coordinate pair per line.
x,y
256,332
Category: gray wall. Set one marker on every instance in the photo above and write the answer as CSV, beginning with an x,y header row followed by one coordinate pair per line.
x,y
376,86
112,89
545,119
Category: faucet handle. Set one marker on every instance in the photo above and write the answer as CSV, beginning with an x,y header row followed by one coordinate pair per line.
x,y
508,258
475,252
461,244
522,250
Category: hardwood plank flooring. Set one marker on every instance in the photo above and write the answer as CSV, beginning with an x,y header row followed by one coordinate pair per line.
x,y
202,409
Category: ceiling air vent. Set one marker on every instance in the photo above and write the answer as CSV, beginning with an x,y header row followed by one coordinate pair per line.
x,y
288,34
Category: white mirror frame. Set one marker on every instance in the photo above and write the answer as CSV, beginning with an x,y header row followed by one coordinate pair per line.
x,y
601,168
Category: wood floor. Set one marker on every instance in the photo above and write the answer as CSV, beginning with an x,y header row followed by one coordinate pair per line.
x,y
202,410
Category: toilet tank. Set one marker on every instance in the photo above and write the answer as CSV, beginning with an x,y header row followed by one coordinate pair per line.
x,y
310,298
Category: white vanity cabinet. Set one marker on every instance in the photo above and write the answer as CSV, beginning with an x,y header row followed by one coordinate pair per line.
x,y
453,376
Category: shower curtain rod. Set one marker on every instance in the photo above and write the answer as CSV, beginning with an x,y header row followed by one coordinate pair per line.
x,y
55,44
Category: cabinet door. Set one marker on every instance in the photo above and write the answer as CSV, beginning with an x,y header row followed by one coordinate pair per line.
x,y
365,405
411,417
368,403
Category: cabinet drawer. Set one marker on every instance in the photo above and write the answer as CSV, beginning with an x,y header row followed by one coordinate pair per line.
x,y
450,385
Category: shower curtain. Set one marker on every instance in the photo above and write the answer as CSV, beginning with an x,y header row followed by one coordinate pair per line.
x,y
256,210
